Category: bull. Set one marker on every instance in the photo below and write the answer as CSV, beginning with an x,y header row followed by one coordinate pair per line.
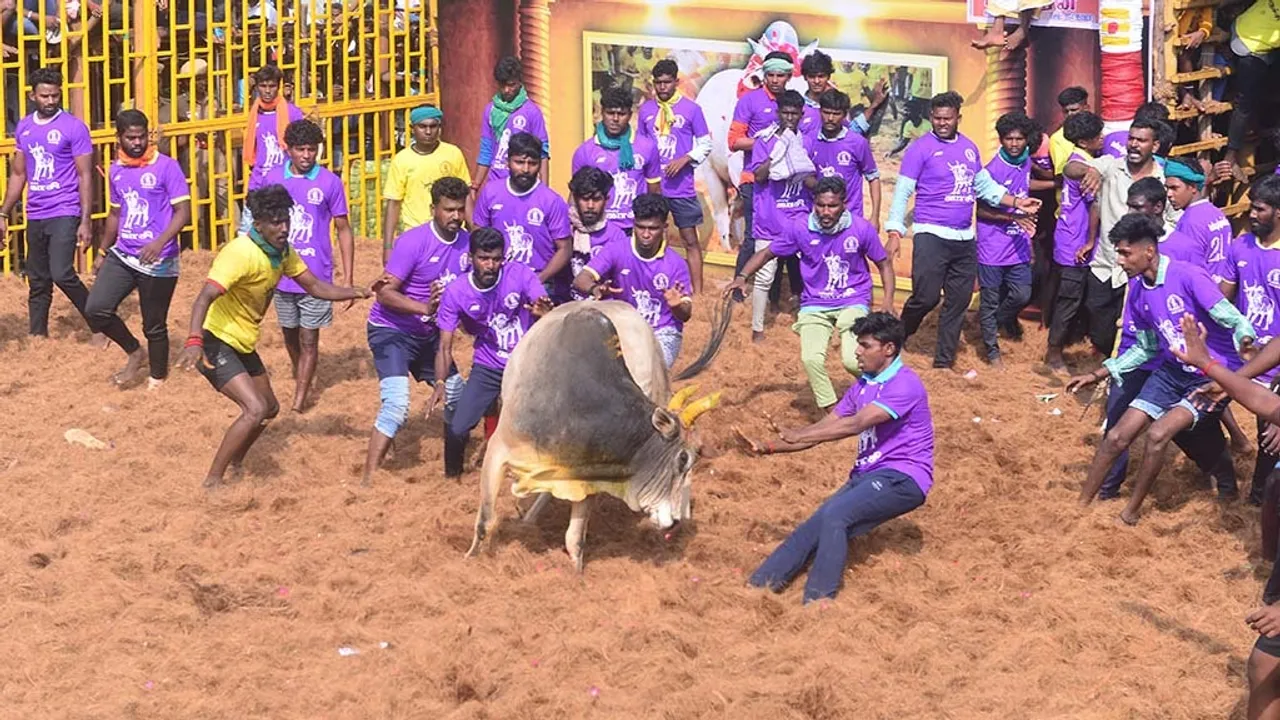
x,y
587,409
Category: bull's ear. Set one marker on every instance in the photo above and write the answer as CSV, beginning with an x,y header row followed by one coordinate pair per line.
x,y
665,423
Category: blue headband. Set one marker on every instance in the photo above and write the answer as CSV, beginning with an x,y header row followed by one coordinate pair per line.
x,y
424,113
1184,173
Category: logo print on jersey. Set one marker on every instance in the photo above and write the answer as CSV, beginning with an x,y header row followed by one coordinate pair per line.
x,y
1175,304
136,210
962,183
534,216
1260,309
54,137
315,196
519,243
661,281
148,180
837,275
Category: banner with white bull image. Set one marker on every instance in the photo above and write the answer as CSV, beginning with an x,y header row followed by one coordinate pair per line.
x,y
715,72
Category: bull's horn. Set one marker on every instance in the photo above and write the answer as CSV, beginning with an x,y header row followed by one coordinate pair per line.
x,y
679,399
696,408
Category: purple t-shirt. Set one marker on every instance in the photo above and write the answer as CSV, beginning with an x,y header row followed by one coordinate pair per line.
x,y
627,184
270,152
1072,230
527,118
606,235
496,316
775,204
1203,221
146,196
50,150
757,110
1129,331
1187,289
688,125
847,156
1116,144
811,120
532,222
318,198
833,266
1255,271
944,173
419,258
1187,248
905,442
643,281
1001,244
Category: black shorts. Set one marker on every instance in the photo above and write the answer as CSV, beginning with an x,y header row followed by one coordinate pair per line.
x,y
1270,646
221,362
686,212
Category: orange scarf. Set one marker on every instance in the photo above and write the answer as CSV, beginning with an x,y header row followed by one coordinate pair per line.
x,y
281,110
147,158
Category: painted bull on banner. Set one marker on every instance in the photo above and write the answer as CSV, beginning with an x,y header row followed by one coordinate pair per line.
x,y
718,97
587,409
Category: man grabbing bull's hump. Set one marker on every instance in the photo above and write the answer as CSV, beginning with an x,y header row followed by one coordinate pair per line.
x,y
496,303
888,410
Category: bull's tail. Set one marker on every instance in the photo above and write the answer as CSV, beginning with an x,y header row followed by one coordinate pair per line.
x,y
719,328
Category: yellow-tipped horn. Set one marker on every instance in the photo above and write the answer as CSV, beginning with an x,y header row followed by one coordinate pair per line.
x,y
679,399
696,408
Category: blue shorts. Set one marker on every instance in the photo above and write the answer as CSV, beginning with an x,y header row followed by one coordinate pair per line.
x,y
685,212
399,354
1170,386
994,276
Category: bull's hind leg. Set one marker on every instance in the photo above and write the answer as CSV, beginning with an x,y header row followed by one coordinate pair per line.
x,y
576,536
491,475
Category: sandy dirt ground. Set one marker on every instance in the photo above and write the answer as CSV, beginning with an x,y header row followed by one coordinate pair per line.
x,y
128,591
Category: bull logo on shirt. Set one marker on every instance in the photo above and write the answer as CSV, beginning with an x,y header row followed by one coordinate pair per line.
x,y
837,275
500,155
667,147
301,225
137,210
792,189
44,164
649,307
962,183
1172,334
867,453
624,190
519,243
275,153
827,170
1260,309
507,331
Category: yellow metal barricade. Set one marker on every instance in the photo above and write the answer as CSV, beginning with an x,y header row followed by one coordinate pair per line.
x,y
356,67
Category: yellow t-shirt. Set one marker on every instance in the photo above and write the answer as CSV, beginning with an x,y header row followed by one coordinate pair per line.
x,y
245,274
1258,29
913,132
1060,149
411,176
920,83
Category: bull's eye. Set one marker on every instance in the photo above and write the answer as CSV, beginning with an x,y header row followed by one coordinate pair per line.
x,y
685,460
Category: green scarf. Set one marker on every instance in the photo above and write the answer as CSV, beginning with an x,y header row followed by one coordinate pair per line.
x,y
502,110
622,143
1016,161
273,253
844,223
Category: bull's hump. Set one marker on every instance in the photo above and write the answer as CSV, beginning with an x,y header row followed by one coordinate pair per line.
x,y
581,406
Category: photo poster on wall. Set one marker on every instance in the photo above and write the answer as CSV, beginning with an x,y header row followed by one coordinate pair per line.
x,y
714,73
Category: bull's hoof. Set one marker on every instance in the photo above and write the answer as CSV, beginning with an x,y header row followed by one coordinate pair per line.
x,y
578,564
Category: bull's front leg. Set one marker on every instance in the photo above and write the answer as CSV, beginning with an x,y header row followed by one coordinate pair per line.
x,y
575,537
491,475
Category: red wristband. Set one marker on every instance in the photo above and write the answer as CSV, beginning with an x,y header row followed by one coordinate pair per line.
x,y
194,341
1211,364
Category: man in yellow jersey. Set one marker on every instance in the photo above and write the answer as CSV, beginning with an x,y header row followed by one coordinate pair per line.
x,y
413,170
227,313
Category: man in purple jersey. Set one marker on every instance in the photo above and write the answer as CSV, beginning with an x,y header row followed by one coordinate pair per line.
x,y
495,303
834,247
644,273
838,151
941,169
1201,220
508,113
140,250
1004,240
532,216
1075,236
756,110
592,231
319,201
402,332
781,168
1166,406
1251,278
54,163
264,142
887,409
679,128
634,163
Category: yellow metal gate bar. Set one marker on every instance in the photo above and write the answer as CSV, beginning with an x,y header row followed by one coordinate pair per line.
x,y
354,66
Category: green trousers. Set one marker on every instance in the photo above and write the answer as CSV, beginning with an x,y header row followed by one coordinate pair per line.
x,y
815,327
